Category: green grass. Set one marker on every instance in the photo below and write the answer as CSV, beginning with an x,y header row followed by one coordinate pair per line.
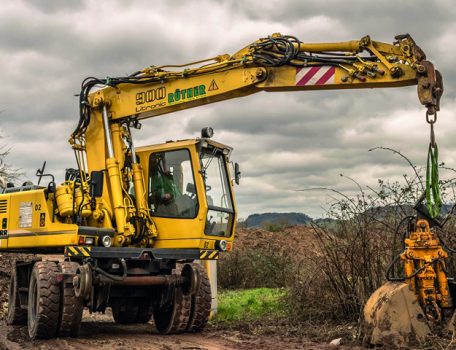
x,y
249,305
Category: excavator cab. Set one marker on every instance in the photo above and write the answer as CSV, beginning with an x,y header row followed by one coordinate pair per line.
x,y
189,193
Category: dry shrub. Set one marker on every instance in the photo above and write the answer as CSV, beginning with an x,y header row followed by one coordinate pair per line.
x,y
262,258
331,268
366,234
352,264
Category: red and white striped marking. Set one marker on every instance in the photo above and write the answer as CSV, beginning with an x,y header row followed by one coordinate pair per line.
x,y
315,76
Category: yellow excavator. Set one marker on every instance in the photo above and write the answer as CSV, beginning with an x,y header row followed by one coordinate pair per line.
x,y
132,222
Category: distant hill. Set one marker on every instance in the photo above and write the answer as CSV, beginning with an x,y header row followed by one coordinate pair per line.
x,y
289,219
381,212
260,220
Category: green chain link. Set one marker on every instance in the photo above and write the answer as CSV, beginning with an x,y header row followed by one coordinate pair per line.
x,y
433,199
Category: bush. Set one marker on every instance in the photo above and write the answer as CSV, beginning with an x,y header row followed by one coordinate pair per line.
x,y
330,272
367,234
259,259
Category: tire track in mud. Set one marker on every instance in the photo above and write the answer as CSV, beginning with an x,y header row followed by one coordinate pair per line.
x,y
99,332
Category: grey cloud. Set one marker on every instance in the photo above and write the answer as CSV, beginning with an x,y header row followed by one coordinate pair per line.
x,y
55,6
381,17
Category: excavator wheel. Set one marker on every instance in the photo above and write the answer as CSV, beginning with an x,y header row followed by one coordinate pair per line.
x,y
125,311
173,317
201,302
43,300
71,305
393,318
16,315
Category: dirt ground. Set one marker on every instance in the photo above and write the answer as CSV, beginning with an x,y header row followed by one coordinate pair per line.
x,y
100,332
289,237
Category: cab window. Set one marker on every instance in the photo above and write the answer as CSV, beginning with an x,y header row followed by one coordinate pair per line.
x,y
172,191
220,216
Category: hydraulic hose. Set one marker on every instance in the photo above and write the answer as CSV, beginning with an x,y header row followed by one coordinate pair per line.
x,y
389,270
114,277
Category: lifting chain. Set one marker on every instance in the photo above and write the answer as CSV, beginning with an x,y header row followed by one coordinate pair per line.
x,y
433,198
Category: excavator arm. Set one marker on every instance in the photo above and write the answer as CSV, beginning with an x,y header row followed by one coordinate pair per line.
x,y
110,106
276,63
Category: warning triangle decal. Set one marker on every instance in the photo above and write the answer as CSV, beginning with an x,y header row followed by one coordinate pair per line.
x,y
213,86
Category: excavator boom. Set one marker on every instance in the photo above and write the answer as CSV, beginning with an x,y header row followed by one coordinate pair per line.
x,y
276,63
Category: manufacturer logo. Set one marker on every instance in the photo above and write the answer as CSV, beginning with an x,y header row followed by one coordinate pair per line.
x,y
186,94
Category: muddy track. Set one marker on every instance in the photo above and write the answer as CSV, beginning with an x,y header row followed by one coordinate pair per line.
x,y
100,332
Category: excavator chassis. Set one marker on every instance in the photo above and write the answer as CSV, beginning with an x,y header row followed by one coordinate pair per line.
x,y
49,294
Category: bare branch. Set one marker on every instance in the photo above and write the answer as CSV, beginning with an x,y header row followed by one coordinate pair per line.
x,y
403,156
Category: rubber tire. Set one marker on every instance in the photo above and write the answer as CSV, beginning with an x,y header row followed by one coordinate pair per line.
x,y
127,311
201,302
71,307
16,315
174,317
43,301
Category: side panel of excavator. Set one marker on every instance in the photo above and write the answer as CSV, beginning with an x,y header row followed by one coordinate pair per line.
x,y
29,216
27,221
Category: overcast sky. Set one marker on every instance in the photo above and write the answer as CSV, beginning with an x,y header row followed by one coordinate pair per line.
x,y
283,141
